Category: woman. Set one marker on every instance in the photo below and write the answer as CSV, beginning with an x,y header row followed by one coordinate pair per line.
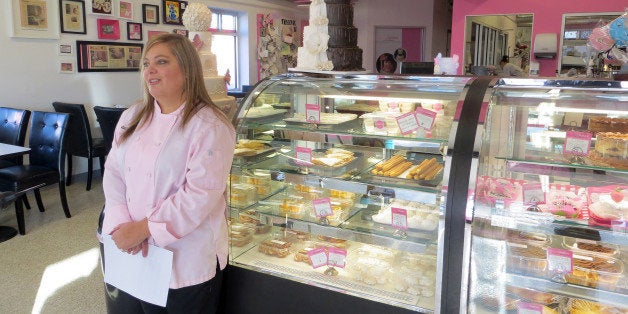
x,y
166,176
386,64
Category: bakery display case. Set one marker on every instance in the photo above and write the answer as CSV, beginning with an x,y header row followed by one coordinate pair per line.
x,y
550,215
339,190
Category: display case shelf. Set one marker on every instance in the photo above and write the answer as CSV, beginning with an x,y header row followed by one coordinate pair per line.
x,y
607,297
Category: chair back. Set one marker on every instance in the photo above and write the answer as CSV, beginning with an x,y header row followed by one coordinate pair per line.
x,y
46,140
13,127
108,119
79,137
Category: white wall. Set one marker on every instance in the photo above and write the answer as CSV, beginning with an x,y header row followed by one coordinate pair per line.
x,y
28,67
29,76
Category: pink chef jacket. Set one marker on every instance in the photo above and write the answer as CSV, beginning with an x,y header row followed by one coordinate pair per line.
x,y
177,179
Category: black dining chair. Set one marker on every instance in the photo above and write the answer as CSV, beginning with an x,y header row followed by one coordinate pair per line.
x,y
107,118
46,161
13,126
80,142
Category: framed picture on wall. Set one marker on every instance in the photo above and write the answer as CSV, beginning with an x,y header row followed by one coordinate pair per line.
x,y
150,14
173,10
65,49
100,7
66,67
125,10
133,31
108,29
34,19
72,16
103,56
181,31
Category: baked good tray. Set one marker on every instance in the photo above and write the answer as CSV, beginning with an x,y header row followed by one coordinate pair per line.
x,y
351,167
401,179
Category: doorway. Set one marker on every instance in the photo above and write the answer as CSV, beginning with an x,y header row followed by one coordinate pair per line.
x,y
389,38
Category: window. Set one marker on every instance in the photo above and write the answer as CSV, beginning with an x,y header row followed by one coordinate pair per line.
x,y
224,27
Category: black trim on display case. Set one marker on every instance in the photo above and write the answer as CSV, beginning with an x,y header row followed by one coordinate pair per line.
x,y
246,291
461,156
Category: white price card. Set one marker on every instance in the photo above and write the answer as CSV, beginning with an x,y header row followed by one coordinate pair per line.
x,y
503,221
303,156
529,308
559,260
577,143
407,123
425,118
399,218
318,257
533,193
322,207
313,113
336,257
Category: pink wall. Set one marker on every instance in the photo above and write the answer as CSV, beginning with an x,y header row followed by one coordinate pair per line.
x,y
548,16
411,42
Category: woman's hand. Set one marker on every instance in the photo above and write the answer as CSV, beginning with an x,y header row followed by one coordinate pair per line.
x,y
131,237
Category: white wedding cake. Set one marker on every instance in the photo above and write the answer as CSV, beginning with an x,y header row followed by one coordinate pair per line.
x,y
197,19
313,54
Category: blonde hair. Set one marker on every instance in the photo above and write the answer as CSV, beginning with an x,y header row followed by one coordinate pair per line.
x,y
196,95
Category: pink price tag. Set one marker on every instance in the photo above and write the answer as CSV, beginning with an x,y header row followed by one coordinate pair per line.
x,y
336,257
425,118
303,156
322,207
318,257
399,218
559,260
407,123
313,113
529,308
577,143
533,193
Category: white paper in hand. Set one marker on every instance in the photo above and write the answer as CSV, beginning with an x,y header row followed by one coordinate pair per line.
x,y
146,278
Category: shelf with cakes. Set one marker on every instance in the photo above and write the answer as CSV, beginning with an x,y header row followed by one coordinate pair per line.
x,y
551,197
363,188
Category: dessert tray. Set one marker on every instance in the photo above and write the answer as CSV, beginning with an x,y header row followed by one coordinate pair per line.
x,y
251,149
264,113
408,170
326,118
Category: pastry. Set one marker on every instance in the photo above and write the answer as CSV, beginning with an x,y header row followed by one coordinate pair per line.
x,y
610,150
604,124
275,247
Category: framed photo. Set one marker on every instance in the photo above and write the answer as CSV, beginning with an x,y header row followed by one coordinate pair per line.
x,y
181,31
34,19
66,67
126,9
151,34
65,49
108,29
104,56
133,31
72,16
173,10
100,7
150,14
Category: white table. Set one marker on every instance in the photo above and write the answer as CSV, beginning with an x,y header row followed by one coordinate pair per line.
x,y
7,150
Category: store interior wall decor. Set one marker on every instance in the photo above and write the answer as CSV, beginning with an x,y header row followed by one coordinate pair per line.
x,y
34,19
101,56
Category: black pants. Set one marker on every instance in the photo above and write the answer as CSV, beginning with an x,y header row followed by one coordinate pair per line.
x,y
201,298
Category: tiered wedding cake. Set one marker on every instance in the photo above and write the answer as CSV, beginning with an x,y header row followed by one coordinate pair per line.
x,y
313,54
197,19
343,47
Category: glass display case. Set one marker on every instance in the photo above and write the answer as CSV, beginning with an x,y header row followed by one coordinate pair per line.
x,y
339,182
550,220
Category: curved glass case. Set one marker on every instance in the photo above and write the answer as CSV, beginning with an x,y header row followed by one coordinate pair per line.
x,y
551,199
338,181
